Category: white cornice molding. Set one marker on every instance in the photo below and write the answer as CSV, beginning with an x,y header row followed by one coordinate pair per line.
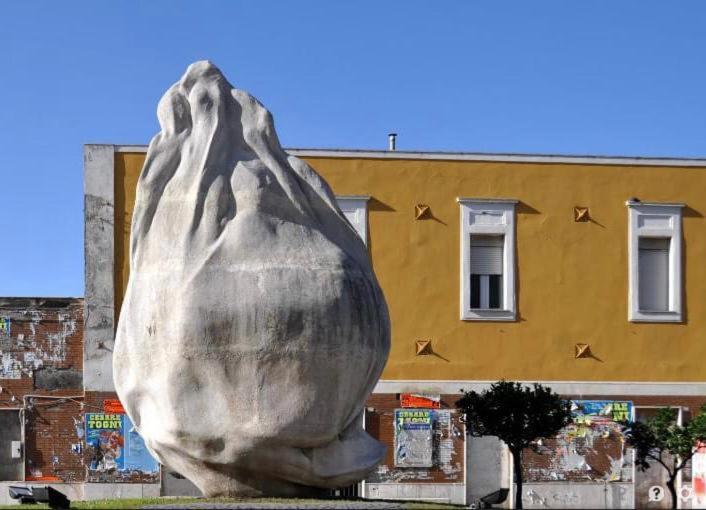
x,y
638,203
504,158
475,156
353,197
462,200
131,148
573,388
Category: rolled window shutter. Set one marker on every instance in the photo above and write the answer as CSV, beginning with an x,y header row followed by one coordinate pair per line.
x,y
487,254
653,268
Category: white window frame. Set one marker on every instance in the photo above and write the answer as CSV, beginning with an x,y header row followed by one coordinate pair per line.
x,y
664,220
499,219
358,205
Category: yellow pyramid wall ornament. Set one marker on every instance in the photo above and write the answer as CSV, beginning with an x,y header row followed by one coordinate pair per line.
x,y
423,347
583,351
421,211
581,214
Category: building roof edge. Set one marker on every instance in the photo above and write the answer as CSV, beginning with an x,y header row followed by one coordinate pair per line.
x,y
476,156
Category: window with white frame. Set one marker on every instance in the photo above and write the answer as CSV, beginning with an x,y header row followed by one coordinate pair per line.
x,y
655,262
488,259
355,209
487,271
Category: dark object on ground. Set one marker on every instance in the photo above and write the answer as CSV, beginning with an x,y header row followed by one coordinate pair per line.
x,y
494,498
24,494
50,495
349,492
39,494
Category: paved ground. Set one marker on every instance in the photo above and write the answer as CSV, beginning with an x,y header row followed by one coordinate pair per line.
x,y
297,505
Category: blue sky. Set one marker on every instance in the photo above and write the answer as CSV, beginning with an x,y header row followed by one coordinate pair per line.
x,y
593,77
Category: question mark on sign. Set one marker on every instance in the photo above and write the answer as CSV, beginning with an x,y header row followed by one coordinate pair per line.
x,y
656,493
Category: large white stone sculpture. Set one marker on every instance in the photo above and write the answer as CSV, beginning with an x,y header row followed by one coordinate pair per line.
x,y
253,328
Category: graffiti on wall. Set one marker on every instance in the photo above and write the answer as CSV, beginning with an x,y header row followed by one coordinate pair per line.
x,y
116,447
4,326
592,448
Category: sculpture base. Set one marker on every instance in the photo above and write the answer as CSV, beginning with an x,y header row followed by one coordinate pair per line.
x,y
216,485
277,471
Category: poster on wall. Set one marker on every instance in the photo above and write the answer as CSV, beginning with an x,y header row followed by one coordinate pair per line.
x,y
601,410
418,400
590,449
414,437
104,435
115,445
137,456
698,476
113,406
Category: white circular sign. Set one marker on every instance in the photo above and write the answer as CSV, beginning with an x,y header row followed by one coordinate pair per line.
x,y
655,493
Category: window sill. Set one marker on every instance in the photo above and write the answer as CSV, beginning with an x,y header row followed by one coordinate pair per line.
x,y
488,315
650,316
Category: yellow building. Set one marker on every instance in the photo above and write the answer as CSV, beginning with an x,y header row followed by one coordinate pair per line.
x,y
584,273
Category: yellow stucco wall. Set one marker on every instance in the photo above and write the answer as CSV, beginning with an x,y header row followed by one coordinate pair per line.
x,y
572,277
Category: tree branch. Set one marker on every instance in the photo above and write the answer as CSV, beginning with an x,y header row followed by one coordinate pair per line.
x,y
659,459
686,459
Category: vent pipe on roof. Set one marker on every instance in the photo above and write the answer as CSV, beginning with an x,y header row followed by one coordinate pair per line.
x,y
391,138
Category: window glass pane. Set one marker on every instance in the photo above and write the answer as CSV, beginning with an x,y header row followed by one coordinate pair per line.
x,y
495,291
354,209
486,271
653,269
475,291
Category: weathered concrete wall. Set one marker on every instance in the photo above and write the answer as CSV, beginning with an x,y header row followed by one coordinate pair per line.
x,y
488,467
73,491
93,491
100,233
437,492
89,491
174,484
578,495
10,432
98,250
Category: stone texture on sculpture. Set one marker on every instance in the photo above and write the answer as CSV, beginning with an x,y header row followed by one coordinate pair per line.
x,y
253,328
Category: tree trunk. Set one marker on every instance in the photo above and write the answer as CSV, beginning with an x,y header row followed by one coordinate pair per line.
x,y
672,490
517,468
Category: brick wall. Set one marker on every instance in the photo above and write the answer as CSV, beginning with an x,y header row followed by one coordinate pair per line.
x,y
601,457
54,441
448,443
41,363
41,348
